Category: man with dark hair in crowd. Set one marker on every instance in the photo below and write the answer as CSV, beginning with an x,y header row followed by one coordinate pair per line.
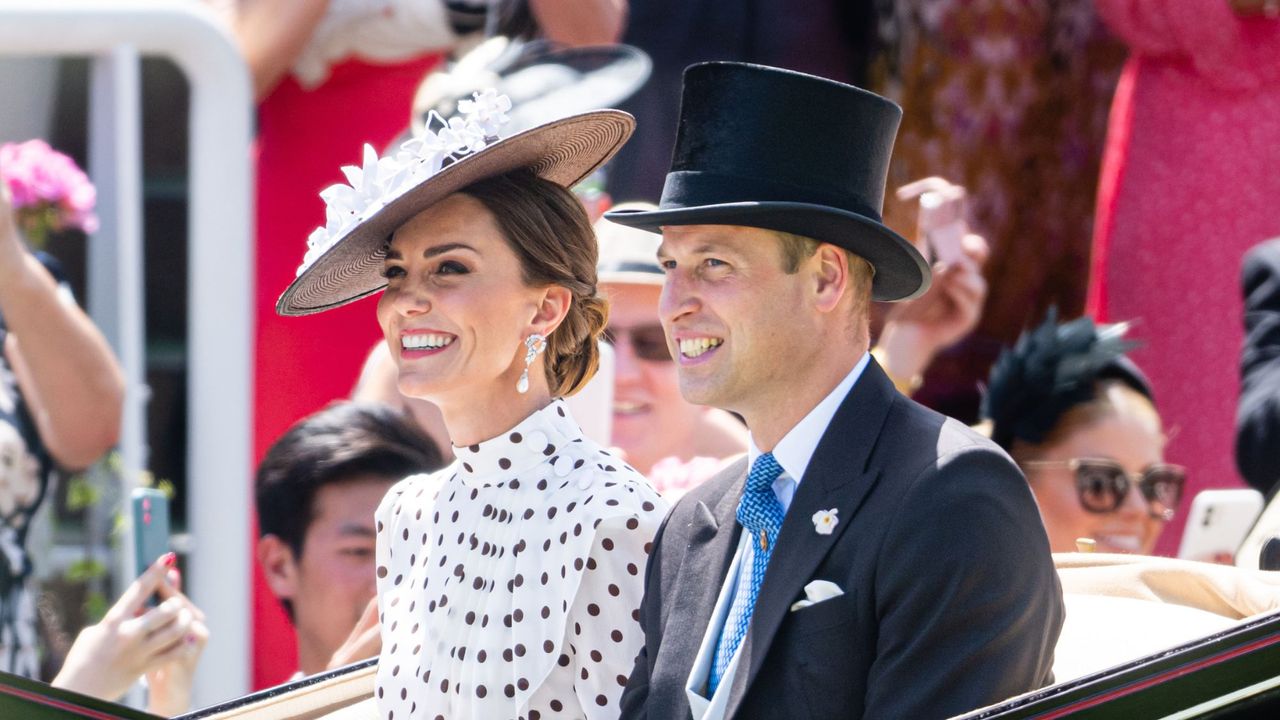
x,y
317,490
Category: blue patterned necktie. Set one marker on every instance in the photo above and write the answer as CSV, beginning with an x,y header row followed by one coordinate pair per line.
x,y
760,515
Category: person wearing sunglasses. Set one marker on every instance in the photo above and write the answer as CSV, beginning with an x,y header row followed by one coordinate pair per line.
x,y
652,423
1079,418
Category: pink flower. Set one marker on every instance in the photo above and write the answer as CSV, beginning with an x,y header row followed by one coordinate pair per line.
x,y
50,192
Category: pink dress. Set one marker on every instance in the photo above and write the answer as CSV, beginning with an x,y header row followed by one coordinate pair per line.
x,y
1190,181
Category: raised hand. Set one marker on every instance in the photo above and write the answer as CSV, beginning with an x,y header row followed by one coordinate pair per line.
x,y
11,248
170,677
365,640
917,330
162,642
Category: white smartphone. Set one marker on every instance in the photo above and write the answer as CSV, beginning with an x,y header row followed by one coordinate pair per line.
x,y
941,224
1218,523
592,406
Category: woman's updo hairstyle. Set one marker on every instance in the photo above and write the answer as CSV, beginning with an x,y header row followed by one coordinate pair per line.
x,y
548,229
1051,370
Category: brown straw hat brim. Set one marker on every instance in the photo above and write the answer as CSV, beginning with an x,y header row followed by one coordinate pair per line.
x,y
563,151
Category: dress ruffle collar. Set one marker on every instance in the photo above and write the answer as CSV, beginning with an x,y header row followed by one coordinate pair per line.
x,y
537,438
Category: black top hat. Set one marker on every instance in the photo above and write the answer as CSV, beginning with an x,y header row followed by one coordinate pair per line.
x,y
762,147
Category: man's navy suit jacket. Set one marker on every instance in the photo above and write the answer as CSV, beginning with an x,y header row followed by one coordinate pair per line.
x,y
950,597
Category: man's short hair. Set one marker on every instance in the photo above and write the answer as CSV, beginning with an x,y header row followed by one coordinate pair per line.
x,y
798,248
335,445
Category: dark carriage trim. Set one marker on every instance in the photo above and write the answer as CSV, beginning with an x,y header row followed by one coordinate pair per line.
x,y
37,700
1183,677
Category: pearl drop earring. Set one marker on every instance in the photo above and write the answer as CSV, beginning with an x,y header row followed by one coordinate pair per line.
x,y
534,344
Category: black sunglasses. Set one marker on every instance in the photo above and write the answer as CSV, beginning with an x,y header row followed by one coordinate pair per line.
x,y
648,342
1102,485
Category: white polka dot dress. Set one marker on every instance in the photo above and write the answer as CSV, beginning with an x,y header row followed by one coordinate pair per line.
x,y
509,583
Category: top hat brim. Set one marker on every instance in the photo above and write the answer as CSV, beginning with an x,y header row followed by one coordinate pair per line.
x,y
901,273
564,152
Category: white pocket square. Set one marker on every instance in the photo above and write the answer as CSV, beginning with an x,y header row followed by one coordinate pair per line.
x,y
815,592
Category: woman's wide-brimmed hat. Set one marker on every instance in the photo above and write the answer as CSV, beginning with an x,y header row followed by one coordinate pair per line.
x,y
781,150
344,258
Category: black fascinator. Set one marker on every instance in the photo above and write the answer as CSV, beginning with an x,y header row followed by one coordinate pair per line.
x,y
1051,369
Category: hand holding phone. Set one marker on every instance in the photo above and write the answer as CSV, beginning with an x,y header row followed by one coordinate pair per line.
x,y
941,225
915,331
1218,523
150,527
163,642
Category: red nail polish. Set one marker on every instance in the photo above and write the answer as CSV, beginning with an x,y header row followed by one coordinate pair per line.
x,y
170,559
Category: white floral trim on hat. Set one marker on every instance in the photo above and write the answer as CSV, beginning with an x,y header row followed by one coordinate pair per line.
x,y
382,179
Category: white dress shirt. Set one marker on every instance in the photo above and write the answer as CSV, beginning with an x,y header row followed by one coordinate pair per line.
x,y
793,452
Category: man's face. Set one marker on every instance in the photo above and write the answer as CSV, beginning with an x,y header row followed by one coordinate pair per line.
x,y
737,324
650,418
334,578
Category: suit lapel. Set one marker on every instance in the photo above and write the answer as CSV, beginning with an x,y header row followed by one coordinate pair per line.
x,y
713,537
838,478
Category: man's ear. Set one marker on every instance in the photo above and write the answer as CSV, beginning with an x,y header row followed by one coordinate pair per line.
x,y
279,566
830,268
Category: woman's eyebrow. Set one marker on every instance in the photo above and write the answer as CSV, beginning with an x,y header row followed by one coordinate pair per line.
x,y
447,247
392,254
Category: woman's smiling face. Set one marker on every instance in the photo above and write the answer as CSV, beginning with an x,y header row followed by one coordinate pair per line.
x,y
1127,433
457,307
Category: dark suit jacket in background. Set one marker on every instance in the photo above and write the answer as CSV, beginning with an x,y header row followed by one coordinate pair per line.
x,y
1258,415
950,598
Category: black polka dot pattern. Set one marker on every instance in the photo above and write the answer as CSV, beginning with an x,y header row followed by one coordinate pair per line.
x,y
507,583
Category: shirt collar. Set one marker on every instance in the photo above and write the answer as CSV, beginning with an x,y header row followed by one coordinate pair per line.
x,y
795,449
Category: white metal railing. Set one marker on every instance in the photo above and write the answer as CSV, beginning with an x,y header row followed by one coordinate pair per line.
x,y
220,291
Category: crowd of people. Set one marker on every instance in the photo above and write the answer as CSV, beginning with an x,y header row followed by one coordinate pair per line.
x,y
913,432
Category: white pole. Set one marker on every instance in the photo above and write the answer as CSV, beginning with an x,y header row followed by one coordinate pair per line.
x,y
219,461
116,293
